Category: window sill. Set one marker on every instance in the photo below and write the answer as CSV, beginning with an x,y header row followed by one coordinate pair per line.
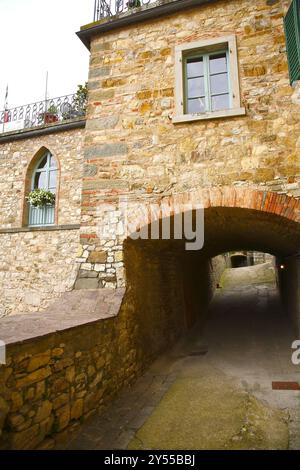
x,y
40,228
204,116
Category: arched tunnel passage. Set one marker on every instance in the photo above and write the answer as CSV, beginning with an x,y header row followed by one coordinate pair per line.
x,y
211,389
165,277
239,334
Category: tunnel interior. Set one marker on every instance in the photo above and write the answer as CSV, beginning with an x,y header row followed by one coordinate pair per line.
x,y
172,288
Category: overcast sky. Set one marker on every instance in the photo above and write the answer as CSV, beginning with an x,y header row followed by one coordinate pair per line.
x,y
39,35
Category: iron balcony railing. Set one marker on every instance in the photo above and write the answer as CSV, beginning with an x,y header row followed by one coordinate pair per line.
x,y
107,8
45,112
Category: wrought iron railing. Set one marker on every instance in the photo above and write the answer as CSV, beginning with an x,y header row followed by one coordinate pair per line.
x,y
45,112
106,8
41,215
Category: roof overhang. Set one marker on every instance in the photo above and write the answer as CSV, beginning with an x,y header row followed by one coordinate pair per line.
x,y
152,11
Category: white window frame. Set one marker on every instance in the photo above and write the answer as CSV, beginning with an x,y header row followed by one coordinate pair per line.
x,y
47,169
204,47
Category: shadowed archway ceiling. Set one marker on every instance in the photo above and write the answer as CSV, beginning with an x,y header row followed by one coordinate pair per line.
x,y
231,229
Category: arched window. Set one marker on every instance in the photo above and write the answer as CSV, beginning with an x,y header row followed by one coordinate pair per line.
x,y
44,176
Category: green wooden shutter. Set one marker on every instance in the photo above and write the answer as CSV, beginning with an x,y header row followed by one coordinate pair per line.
x,y
292,35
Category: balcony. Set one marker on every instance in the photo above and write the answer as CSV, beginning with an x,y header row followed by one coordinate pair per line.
x,y
43,113
113,14
108,8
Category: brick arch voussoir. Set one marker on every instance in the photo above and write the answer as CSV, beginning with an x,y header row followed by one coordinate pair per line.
x,y
245,198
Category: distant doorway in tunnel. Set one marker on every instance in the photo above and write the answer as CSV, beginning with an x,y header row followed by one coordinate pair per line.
x,y
247,258
238,260
244,269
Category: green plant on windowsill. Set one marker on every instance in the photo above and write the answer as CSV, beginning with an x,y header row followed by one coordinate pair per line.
x,y
41,198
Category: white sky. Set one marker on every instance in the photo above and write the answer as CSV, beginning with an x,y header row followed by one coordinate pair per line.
x,y
39,35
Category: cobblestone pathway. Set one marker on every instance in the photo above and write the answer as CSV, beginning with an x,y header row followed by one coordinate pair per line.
x,y
188,398
115,428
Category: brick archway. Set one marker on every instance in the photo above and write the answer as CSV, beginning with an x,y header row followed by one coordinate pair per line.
x,y
274,217
157,270
230,197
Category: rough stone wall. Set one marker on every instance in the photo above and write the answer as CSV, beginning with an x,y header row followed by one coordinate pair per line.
x,y
155,279
51,383
15,157
201,277
133,148
218,266
168,282
262,257
35,268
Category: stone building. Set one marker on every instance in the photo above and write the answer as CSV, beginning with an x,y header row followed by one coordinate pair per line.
x,y
190,102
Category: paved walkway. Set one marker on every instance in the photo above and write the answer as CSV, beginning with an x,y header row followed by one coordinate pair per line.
x,y
214,390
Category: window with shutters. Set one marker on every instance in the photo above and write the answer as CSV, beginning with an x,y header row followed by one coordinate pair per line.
x,y
292,36
207,84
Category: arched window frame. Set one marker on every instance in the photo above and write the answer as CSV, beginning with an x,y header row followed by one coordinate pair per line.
x,y
48,170
30,175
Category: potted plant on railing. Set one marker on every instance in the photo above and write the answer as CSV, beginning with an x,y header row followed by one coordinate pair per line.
x,y
40,198
77,108
49,116
80,100
133,4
